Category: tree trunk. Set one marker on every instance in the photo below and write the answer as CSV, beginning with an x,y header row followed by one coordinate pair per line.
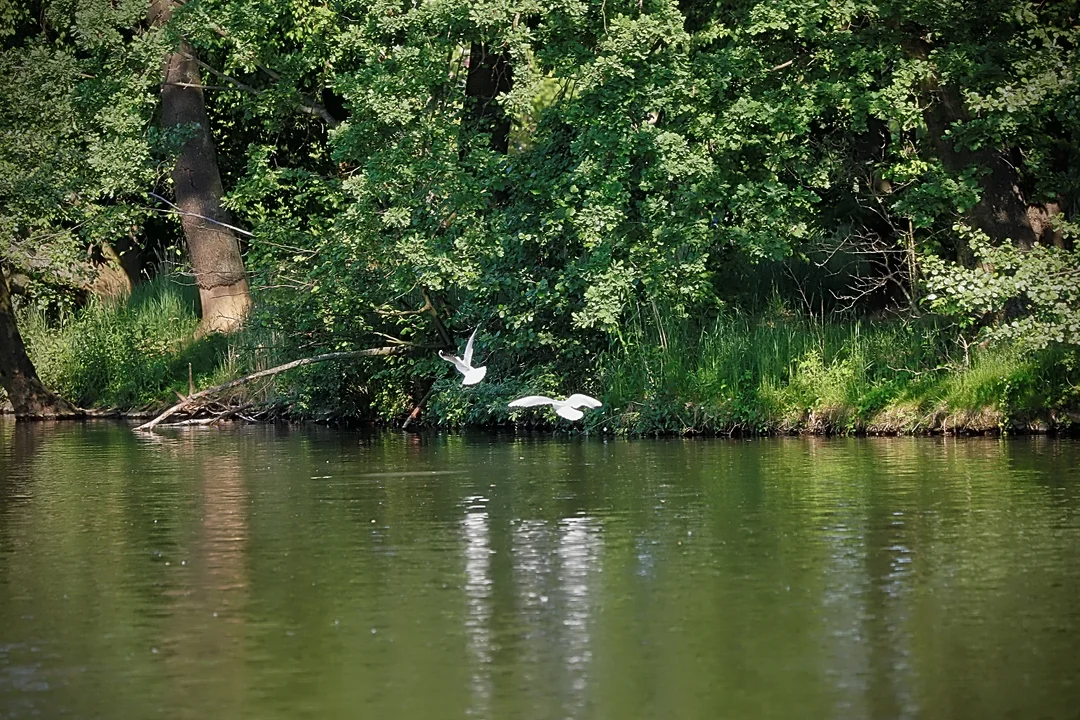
x,y
489,76
30,398
1002,210
213,249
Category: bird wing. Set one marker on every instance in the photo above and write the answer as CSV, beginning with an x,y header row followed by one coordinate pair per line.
x,y
462,367
569,413
531,401
579,400
474,375
467,357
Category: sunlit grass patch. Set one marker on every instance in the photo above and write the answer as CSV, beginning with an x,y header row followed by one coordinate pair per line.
x,y
125,353
783,373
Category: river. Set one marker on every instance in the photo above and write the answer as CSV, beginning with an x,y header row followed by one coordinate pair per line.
x,y
308,572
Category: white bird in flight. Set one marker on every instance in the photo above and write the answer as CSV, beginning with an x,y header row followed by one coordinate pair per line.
x,y
472,374
567,408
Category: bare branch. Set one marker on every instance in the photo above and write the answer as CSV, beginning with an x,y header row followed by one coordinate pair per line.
x,y
267,373
200,87
178,211
217,73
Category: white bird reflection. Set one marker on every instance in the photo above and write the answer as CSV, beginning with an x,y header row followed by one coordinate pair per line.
x,y
555,571
867,619
579,555
556,568
476,533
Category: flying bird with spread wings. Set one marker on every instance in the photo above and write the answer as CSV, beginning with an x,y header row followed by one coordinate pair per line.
x,y
567,408
472,375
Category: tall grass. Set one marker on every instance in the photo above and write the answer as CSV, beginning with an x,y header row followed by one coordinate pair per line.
x,y
786,373
126,353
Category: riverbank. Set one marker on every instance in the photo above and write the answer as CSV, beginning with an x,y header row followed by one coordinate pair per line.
x,y
989,422
774,372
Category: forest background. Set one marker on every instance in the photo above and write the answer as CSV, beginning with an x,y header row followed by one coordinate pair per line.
x,y
716,216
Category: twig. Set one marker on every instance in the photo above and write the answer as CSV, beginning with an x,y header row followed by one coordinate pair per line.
x,y
200,87
391,338
267,373
404,313
229,412
179,211
194,421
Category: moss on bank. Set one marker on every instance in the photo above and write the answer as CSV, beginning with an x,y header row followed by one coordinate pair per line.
x,y
770,373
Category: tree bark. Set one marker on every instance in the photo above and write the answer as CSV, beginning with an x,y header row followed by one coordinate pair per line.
x,y
214,250
30,398
489,76
1002,210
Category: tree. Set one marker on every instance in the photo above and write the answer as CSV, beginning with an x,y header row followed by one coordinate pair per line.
x,y
72,144
213,247
28,396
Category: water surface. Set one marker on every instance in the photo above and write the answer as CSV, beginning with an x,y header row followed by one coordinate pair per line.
x,y
261,572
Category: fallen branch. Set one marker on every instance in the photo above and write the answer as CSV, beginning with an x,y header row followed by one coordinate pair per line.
x,y
267,373
419,406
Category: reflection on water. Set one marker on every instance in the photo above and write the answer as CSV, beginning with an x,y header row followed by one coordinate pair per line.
x,y
556,568
579,559
478,594
276,572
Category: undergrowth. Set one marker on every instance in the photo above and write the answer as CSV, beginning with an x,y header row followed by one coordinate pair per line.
x,y
785,373
775,371
126,354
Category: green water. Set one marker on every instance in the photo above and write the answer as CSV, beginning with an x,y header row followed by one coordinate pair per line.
x,y
265,572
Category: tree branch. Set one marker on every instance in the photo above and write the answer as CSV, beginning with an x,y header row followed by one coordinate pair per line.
x,y
148,426
178,211
308,106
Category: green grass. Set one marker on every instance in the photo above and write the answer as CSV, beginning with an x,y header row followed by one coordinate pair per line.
x,y
775,371
125,354
785,373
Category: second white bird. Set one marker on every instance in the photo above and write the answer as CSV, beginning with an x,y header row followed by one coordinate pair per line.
x,y
567,408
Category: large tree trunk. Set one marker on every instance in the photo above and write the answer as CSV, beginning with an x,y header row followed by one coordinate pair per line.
x,y
213,248
1003,212
30,398
489,76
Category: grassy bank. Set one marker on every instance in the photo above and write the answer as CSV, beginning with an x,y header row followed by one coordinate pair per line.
x,y
129,355
765,373
782,373
790,374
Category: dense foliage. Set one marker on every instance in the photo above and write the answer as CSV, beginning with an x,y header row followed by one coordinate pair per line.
x,y
633,170
77,149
